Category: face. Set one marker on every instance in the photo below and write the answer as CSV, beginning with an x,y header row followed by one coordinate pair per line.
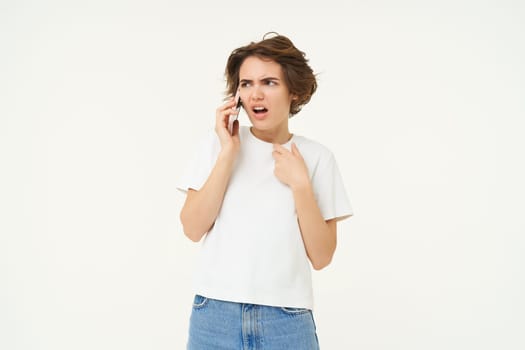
x,y
265,96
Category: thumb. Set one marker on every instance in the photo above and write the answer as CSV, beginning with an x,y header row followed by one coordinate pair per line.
x,y
295,150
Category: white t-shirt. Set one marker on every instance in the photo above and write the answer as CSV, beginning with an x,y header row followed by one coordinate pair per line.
x,y
254,252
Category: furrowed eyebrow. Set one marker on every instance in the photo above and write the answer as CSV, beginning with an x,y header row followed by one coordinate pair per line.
x,y
263,79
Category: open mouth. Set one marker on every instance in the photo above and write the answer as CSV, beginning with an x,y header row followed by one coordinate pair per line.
x,y
259,110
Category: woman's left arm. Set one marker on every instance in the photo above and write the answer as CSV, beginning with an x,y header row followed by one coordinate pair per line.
x,y
319,236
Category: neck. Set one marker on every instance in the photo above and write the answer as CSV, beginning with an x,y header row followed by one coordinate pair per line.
x,y
272,136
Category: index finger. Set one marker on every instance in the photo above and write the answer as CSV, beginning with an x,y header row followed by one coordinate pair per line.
x,y
279,148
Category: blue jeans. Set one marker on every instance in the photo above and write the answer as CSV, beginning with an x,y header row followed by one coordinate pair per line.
x,y
224,325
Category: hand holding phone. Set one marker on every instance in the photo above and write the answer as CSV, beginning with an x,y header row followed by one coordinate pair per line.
x,y
233,117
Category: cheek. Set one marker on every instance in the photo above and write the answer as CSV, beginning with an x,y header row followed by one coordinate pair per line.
x,y
244,96
286,102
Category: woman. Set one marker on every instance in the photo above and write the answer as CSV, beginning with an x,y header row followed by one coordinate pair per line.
x,y
266,202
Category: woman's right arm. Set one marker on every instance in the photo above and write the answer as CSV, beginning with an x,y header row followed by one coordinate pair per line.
x,y
202,207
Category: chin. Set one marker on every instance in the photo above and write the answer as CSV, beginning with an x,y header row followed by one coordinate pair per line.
x,y
261,126
257,122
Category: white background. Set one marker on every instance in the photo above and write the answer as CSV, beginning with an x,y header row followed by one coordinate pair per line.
x,y
422,102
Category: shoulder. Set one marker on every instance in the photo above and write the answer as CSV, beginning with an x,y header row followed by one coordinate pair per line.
x,y
311,149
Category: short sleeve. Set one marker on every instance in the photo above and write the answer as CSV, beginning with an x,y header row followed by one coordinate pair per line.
x,y
330,191
199,168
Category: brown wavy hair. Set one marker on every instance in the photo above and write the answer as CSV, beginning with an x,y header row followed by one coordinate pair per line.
x,y
298,75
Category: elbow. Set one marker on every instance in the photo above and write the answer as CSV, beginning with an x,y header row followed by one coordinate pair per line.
x,y
323,258
193,236
192,233
320,264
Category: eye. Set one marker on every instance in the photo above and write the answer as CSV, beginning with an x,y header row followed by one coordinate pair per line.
x,y
271,83
244,84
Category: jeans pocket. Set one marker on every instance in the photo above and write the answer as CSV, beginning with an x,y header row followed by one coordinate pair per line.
x,y
199,301
294,310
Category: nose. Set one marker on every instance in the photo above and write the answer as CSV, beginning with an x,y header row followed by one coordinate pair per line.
x,y
257,94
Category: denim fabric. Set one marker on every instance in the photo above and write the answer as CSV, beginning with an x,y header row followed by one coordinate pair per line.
x,y
223,325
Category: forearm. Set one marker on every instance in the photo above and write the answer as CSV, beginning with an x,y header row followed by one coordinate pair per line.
x,y
202,207
319,236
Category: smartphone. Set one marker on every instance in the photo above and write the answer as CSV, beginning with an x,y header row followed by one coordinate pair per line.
x,y
233,117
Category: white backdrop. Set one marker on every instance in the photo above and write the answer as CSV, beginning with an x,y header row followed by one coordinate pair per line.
x,y
422,102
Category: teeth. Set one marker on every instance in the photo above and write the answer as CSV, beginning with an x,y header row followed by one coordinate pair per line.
x,y
258,108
